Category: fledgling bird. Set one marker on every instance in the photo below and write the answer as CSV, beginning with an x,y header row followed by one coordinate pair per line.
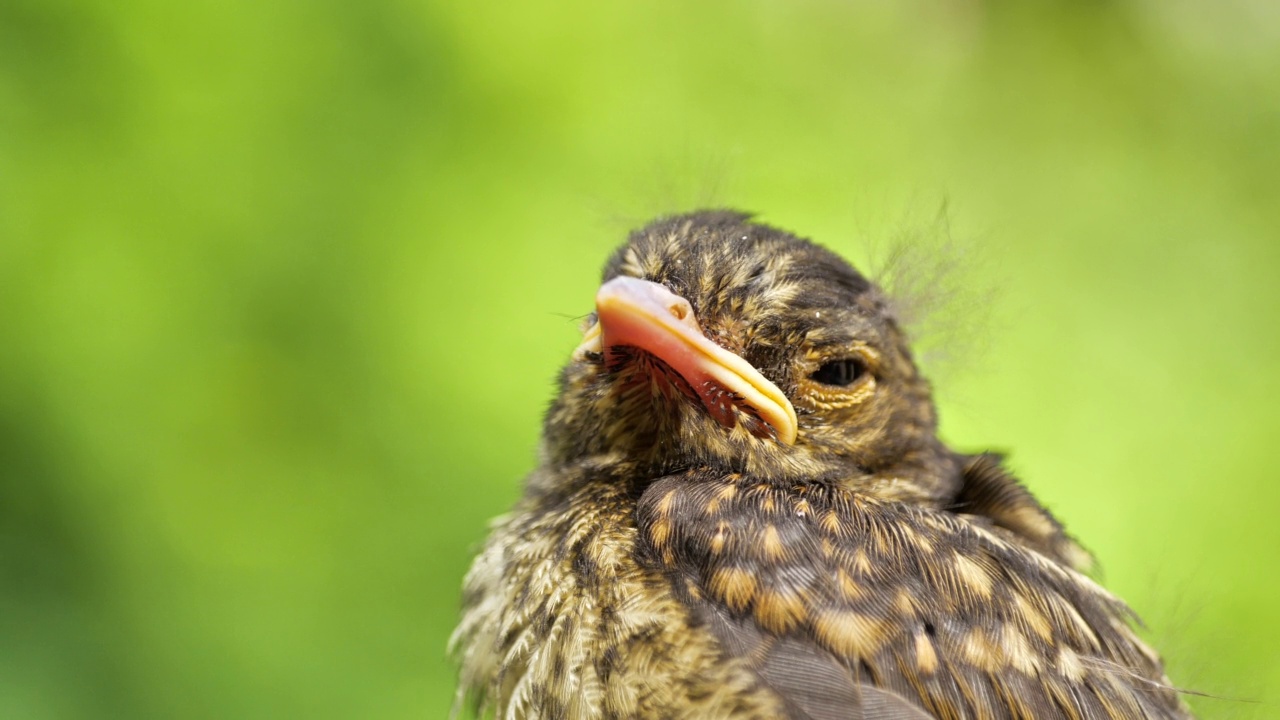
x,y
743,510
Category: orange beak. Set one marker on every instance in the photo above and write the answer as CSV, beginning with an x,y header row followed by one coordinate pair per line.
x,y
646,315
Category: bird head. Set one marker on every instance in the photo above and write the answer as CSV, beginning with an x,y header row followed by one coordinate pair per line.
x,y
720,342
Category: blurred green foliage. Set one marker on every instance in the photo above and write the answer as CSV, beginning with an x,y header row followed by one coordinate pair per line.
x,y
284,287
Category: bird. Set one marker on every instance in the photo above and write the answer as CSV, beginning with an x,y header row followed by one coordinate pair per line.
x,y
742,509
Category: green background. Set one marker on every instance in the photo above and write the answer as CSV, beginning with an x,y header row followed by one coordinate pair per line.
x,y
284,287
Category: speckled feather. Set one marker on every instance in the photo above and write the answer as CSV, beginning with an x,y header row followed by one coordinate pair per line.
x,y
668,561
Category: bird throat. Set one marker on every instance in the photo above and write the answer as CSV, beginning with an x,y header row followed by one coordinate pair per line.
x,y
638,370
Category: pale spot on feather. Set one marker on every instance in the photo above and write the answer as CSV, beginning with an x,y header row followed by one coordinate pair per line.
x,y
831,523
848,588
977,649
664,505
1033,520
718,540
765,496
660,532
849,634
915,538
735,586
779,612
926,656
771,543
1069,665
1076,556
1018,651
861,562
692,588
973,575
725,493
1032,616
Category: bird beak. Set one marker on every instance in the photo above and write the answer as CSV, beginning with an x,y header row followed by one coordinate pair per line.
x,y
648,316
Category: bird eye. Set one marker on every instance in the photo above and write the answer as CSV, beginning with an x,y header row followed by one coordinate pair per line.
x,y
840,373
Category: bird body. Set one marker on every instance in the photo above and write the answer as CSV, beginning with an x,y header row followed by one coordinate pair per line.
x,y
743,511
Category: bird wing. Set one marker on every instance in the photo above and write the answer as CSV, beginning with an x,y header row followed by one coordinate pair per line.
x,y
815,686
848,606
989,492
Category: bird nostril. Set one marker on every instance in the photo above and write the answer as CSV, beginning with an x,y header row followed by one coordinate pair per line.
x,y
680,310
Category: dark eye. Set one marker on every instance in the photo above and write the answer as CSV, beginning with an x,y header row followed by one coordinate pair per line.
x,y
840,373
